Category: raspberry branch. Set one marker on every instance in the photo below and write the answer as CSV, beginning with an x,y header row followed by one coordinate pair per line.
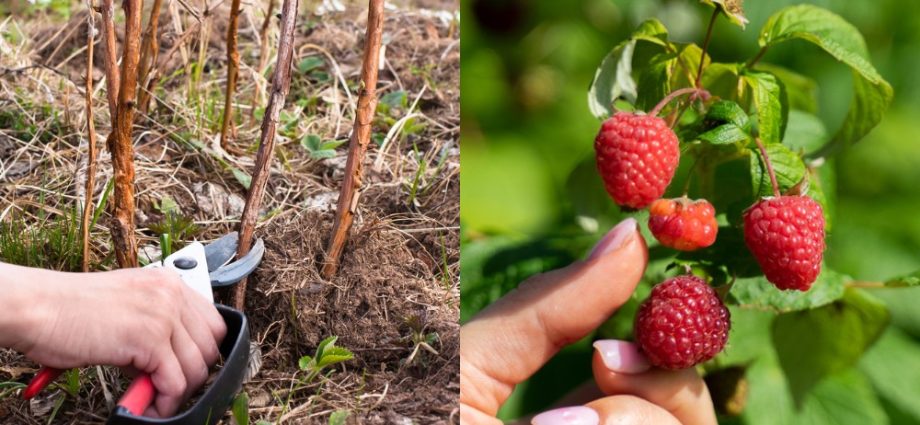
x,y
766,160
699,71
697,93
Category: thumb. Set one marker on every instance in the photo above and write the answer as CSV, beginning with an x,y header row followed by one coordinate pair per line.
x,y
515,336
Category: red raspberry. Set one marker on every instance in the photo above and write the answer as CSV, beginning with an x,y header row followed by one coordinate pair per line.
x,y
682,224
682,323
636,156
786,235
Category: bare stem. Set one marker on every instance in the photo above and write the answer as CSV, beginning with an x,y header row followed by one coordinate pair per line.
x,y
360,137
712,21
150,47
763,50
281,84
233,64
112,74
766,160
697,92
91,136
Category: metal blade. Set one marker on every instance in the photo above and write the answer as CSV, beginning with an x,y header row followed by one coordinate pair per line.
x,y
221,251
237,270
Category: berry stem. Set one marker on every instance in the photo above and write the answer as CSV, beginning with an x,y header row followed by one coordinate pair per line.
x,y
697,92
766,160
760,54
699,71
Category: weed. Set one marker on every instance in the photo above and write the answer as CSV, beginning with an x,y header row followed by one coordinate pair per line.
x,y
327,354
174,227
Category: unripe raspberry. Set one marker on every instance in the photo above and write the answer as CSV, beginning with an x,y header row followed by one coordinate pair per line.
x,y
683,224
636,156
682,323
786,236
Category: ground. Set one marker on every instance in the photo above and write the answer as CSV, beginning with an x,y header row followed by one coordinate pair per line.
x,y
395,300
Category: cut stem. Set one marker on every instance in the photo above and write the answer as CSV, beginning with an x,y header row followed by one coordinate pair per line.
x,y
697,92
712,21
766,160
233,64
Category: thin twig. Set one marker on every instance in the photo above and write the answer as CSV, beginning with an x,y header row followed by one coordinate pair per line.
x,y
281,84
697,93
712,21
233,65
360,137
150,48
766,160
112,74
91,136
120,145
763,50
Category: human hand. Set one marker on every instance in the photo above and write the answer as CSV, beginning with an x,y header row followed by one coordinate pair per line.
x,y
145,319
511,339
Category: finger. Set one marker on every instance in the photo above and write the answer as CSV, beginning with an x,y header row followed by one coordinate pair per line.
x,y
191,360
618,409
200,332
511,339
169,381
208,315
619,368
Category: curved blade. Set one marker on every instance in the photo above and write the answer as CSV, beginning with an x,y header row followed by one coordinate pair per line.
x,y
237,270
221,251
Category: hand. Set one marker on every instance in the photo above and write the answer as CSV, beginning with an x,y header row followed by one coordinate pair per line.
x,y
145,319
511,339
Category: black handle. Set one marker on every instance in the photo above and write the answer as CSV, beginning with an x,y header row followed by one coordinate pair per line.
x,y
210,407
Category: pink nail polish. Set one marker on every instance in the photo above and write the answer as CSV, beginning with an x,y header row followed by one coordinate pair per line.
x,y
615,238
576,415
621,356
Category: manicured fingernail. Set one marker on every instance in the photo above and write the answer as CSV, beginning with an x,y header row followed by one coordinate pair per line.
x,y
576,415
615,238
621,356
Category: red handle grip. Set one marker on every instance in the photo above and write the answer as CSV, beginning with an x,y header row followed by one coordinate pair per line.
x,y
139,395
40,381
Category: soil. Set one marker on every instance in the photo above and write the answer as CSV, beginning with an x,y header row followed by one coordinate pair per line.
x,y
395,300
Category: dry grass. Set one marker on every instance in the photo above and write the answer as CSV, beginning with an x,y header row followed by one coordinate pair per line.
x,y
400,273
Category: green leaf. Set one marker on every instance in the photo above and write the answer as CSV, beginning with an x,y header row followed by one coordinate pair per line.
x,y
815,343
731,8
240,409
802,92
339,417
726,111
241,176
805,133
655,80
757,292
768,99
321,348
893,367
305,362
721,79
787,165
333,355
394,100
613,79
311,142
331,144
725,134
310,63
871,93
845,398
905,281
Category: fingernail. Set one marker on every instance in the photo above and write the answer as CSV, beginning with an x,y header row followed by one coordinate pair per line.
x,y
621,356
576,415
615,238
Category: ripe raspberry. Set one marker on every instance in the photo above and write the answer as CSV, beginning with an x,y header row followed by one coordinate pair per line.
x,y
636,156
682,323
682,224
786,236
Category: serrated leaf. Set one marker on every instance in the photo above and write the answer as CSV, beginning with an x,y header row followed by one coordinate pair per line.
x,y
893,367
305,362
613,79
768,100
726,111
787,165
816,343
801,91
871,93
731,8
724,134
757,292
845,398
240,409
655,81
311,142
328,341
331,144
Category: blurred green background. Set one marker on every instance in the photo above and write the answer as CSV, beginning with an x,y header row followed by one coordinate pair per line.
x,y
527,138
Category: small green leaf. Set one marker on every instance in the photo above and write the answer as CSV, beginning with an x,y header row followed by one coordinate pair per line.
x,y
394,100
787,165
339,417
331,144
731,8
311,142
241,176
240,409
310,63
721,79
871,93
305,362
724,135
726,111
802,92
905,281
757,292
815,343
333,355
893,367
320,349
769,101
613,79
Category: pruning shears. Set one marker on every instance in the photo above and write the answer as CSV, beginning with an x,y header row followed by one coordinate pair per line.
x,y
201,267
